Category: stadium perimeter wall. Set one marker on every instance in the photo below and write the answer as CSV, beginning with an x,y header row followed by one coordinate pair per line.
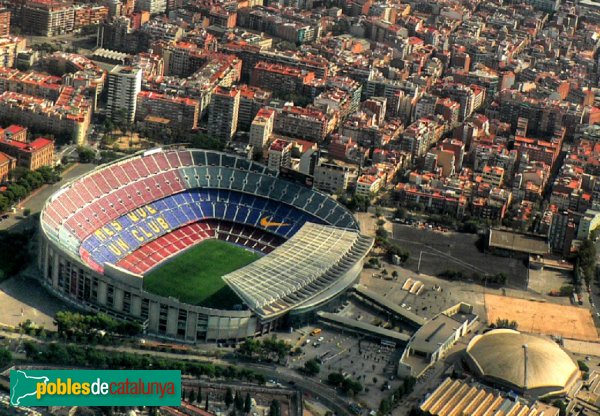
x,y
73,282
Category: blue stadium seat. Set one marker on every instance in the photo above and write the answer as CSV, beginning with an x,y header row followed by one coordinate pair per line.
x,y
230,211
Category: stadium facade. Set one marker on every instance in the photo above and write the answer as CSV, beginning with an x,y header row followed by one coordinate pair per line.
x,y
103,232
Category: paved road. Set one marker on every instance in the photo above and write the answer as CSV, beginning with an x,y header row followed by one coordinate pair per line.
x,y
316,389
36,201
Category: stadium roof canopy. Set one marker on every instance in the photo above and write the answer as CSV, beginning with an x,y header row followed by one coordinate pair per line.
x,y
309,265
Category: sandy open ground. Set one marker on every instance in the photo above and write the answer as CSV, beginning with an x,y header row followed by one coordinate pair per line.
x,y
542,317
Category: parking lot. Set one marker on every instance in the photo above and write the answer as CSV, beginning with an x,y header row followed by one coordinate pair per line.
x,y
441,251
371,363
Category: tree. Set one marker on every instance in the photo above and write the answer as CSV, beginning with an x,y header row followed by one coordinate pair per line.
x,y
385,407
86,155
247,403
238,401
586,260
199,394
505,323
228,397
206,403
204,141
335,379
5,357
561,406
393,249
381,233
351,387
192,396
275,408
312,367
400,213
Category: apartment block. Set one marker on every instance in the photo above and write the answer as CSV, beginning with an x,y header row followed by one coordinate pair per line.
x,y
280,154
7,164
303,123
285,79
261,129
124,84
181,112
32,156
4,23
48,18
223,113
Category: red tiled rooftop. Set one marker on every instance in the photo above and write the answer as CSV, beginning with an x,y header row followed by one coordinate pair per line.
x,y
35,145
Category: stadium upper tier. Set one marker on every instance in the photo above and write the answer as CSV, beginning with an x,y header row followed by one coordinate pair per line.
x,y
106,215
306,266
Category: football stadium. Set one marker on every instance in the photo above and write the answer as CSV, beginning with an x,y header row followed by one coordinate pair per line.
x,y
198,245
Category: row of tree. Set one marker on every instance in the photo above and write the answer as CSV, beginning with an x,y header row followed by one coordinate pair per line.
x,y
347,385
391,248
25,181
497,279
83,356
387,404
355,202
585,260
269,349
240,405
74,325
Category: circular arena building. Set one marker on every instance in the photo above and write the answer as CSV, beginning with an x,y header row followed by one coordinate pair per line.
x,y
531,365
198,245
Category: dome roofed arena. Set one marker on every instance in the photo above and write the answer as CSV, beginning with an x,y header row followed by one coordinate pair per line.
x,y
198,245
531,365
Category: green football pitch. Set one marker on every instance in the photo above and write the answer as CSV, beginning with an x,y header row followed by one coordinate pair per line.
x,y
194,276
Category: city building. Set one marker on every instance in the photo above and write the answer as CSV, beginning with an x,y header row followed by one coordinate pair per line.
x,y
10,47
252,99
124,84
68,116
261,129
368,185
181,112
333,178
48,18
432,341
33,155
286,79
458,397
303,123
7,164
589,222
562,232
4,23
152,6
530,365
223,113
280,154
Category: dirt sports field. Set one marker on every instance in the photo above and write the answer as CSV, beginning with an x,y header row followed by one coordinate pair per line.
x,y
543,318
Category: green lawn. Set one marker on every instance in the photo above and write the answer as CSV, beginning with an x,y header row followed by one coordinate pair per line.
x,y
194,276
